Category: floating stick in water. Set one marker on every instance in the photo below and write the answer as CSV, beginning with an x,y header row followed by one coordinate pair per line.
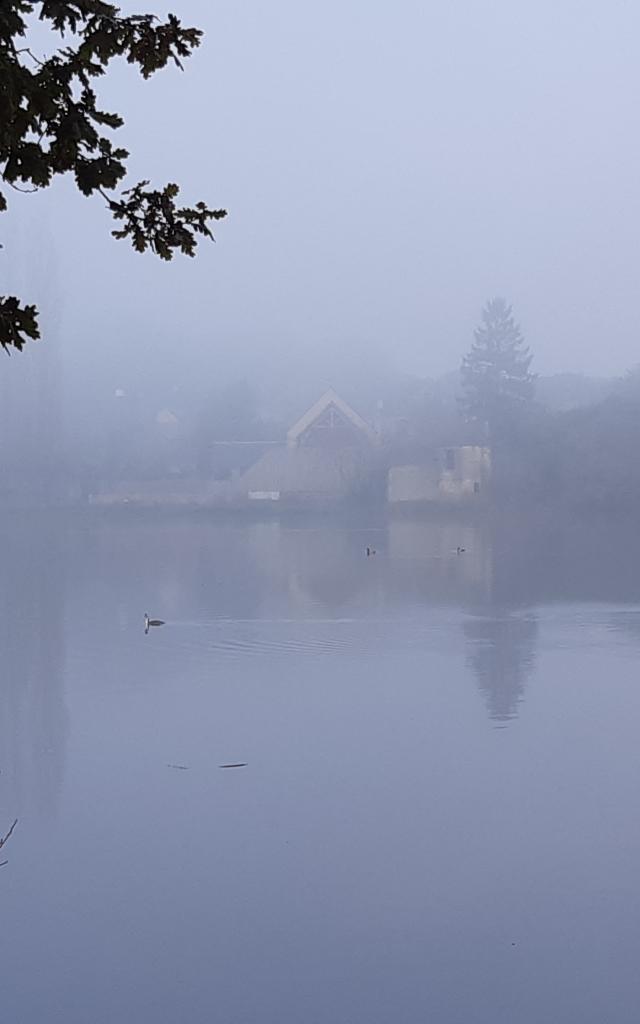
x,y
6,838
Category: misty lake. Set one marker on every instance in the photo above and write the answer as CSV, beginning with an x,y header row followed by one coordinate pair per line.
x,y
437,817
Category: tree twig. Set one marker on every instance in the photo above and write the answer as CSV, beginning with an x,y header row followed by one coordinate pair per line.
x,y
26,49
8,835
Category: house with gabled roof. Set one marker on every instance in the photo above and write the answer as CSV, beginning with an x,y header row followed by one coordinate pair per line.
x,y
329,455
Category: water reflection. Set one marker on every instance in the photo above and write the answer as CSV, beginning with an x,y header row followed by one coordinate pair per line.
x,y
454,563
561,560
501,651
105,573
339,680
33,716
319,568
440,562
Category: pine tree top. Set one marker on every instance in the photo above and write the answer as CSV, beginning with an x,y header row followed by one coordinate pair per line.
x,y
495,373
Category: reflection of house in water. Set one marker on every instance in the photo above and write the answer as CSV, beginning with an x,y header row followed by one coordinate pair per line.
x,y
415,563
440,561
326,569
328,455
308,569
501,652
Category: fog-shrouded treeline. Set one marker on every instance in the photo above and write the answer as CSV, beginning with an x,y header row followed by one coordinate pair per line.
x,y
371,213
572,443
582,459
73,424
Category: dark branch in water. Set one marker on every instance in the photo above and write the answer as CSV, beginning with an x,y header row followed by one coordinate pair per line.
x,y
6,839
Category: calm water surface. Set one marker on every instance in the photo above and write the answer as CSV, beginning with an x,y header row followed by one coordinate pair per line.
x,y
438,819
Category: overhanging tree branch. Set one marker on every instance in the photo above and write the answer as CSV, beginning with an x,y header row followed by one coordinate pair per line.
x,y
51,124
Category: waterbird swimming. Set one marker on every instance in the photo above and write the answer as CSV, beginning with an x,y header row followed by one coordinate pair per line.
x,y
151,622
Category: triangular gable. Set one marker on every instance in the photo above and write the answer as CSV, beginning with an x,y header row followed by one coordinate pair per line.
x,y
330,398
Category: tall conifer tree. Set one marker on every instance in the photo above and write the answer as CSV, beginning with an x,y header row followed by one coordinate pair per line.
x,y
495,373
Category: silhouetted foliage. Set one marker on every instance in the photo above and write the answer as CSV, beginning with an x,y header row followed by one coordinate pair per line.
x,y
495,373
52,124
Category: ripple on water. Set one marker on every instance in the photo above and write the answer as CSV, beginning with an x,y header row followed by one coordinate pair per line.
x,y
236,638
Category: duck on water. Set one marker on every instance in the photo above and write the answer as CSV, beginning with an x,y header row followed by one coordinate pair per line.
x,y
151,622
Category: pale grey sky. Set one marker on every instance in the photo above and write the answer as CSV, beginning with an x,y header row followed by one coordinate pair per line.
x,y
387,167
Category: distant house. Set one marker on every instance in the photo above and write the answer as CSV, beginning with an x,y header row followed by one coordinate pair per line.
x,y
328,456
331,453
453,475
